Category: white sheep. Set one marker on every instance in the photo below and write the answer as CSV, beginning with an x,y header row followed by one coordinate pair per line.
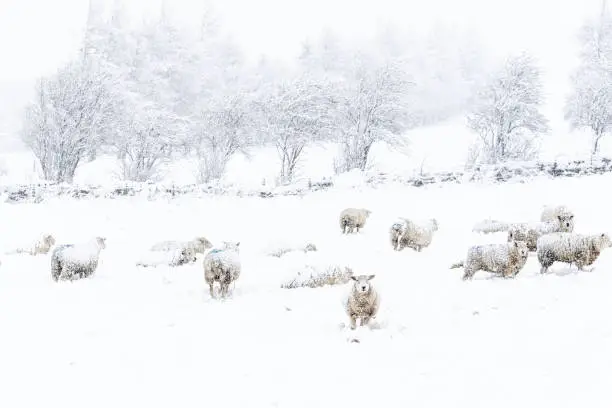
x,y
504,259
222,265
551,213
198,244
352,219
570,248
40,246
530,232
76,261
407,233
176,257
363,301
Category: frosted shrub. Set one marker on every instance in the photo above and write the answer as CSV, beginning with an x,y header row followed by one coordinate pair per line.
x,y
311,278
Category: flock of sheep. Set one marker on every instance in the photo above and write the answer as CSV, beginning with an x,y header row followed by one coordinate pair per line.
x,y
552,238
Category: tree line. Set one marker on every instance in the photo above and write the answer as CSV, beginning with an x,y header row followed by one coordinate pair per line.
x,y
155,91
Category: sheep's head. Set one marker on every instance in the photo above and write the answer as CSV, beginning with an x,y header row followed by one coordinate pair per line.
x,y
602,241
566,222
310,247
203,243
188,255
362,283
48,240
231,245
434,224
521,248
367,212
101,242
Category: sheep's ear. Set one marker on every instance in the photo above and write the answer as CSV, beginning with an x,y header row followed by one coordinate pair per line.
x,y
354,278
370,277
559,217
238,243
571,217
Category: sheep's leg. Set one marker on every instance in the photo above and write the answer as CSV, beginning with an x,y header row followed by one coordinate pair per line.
x,y
365,320
211,288
543,269
353,322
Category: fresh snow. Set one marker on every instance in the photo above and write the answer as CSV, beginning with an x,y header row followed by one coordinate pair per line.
x,y
131,336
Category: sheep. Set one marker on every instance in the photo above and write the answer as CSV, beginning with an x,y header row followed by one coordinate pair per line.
x,y
506,259
351,219
406,233
40,246
76,261
363,301
551,213
177,257
222,265
570,248
198,244
532,231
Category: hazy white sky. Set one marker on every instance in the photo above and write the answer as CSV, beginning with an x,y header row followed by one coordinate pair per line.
x,y
38,35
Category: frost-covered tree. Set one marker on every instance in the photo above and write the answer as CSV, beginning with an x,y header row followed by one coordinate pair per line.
x,y
67,117
589,105
294,114
507,114
370,106
220,132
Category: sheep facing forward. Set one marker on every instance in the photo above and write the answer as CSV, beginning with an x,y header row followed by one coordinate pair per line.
x,y
198,244
532,231
406,233
222,265
40,246
76,261
177,257
351,219
570,248
363,301
505,259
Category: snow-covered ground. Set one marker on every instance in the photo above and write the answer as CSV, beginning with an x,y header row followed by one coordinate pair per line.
x,y
153,337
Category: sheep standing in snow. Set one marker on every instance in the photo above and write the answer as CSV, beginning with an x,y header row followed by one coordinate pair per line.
x,y
406,233
40,246
351,219
363,301
552,213
198,244
177,257
505,259
570,248
530,232
76,261
222,265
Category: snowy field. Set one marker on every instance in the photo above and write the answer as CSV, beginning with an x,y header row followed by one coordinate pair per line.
x,y
153,337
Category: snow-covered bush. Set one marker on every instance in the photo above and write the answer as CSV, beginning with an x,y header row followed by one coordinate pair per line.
x,y
312,277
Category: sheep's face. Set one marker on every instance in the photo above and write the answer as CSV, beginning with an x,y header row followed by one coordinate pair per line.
x,y
231,246
367,213
566,222
188,255
604,241
101,242
434,224
203,243
49,240
362,283
397,226
521,247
